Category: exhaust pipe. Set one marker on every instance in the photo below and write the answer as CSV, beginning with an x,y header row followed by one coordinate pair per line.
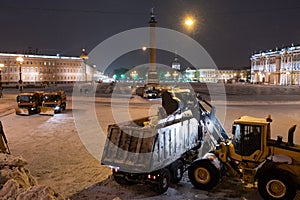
x,y
291,136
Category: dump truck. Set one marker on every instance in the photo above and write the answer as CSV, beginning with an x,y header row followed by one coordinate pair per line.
x,y
29,103
187,136
157,150
53,102
255,158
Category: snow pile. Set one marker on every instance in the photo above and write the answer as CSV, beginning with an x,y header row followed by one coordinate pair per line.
x,y
16,182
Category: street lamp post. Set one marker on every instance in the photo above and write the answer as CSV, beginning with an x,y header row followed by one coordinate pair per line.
x,y
1,66
20,61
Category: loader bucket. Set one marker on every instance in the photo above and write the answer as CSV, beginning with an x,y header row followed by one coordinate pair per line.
x,y
46,111
22,111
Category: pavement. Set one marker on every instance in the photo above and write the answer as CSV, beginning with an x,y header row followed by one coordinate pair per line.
x,y
7,103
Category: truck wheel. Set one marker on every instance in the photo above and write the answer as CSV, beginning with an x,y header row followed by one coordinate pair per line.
x,y
276,185
203,175
176,170
163,181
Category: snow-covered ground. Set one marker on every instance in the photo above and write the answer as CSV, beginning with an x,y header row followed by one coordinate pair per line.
x,y
57,157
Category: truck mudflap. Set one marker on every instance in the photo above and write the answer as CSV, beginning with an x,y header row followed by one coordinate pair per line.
x,y
22,111
47,111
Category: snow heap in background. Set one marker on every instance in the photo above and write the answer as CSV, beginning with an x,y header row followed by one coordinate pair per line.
x,y
17,183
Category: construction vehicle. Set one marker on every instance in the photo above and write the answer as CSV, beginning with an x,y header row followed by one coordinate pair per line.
x,y
53,102
254,157
156,156
29,103
156,150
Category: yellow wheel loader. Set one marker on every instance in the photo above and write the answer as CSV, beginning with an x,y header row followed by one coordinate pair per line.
x,y
255,158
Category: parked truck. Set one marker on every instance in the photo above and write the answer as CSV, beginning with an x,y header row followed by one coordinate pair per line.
x,y
157,150
29,103
53,102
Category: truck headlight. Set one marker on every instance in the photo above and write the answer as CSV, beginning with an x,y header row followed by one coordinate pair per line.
x,y
56,108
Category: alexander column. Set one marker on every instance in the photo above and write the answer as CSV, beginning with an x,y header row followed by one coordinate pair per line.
x,y
152,73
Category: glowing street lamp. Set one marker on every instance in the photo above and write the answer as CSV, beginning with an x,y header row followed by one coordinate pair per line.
x,y
144,48
134,75
189,23
20,61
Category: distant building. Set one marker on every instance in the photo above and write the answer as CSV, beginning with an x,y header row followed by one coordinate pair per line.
x,y
37,69
278,67
215,76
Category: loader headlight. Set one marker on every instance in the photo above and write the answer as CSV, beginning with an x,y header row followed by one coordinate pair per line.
x,y
56,108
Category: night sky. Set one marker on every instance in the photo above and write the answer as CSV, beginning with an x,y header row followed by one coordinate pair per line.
x,y
230,30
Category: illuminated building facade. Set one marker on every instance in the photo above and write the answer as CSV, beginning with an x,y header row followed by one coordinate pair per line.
x,y
278,67
38,69
216,76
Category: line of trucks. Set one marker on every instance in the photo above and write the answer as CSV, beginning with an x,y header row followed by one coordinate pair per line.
x,y
186,135
40,102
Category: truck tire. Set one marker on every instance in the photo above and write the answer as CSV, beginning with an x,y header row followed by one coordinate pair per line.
x,y
176,170
163,181
203,175
277,185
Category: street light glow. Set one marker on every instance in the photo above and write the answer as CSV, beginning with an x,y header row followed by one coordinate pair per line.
x,y
189,22
20,60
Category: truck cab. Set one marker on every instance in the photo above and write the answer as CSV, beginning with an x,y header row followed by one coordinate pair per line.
x,y
28,103
53,102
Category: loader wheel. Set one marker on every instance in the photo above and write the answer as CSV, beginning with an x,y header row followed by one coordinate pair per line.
x,y
276,185
163,181
176,170
203,175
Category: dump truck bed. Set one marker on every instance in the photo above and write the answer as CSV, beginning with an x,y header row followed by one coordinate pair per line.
x,y
148,144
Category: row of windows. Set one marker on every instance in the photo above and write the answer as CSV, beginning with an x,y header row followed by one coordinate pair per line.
x,y
45,70
32,78
49,63
262,60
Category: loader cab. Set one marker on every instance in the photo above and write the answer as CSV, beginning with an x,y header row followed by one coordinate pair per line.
x,y
247,139
250,137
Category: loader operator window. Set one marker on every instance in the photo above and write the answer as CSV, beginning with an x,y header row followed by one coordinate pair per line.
x,y
247,139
